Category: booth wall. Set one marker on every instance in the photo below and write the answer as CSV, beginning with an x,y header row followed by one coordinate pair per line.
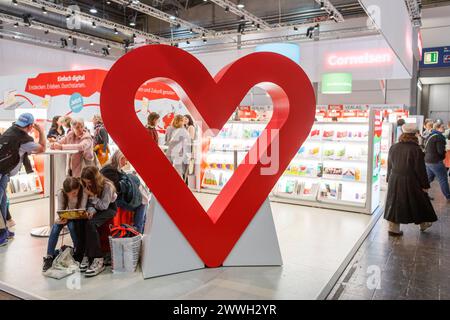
x,y
21,58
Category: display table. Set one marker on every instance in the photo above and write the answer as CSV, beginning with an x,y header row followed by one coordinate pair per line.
x,y
44,231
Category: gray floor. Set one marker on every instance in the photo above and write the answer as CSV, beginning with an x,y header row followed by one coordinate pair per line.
x,y
414,266
314,244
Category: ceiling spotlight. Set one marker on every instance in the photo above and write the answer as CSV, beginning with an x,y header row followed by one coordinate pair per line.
x,y
191,31
116,31
241,6
227,9
258,27
135,1
205,0
132,23
172,18
46,32
204,40
105,51
70,38
295,28
14,2
203,36
134,36
16,25
44,11
94,25
322,5
108,2
93,10
68,17
91,43
187,42
242,17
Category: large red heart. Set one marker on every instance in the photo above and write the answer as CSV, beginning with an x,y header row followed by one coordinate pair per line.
x,y
212,101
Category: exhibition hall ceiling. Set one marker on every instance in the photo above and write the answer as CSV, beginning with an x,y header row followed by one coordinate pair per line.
x,y
110,28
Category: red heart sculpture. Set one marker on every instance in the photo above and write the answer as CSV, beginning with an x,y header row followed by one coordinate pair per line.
x,y
212,101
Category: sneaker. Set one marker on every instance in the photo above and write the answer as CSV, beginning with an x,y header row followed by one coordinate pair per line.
x,y
48,262
3,242
424,226
10,223
84,265
10,234
96,267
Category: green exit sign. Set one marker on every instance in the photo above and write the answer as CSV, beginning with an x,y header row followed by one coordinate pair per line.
x,y
431,57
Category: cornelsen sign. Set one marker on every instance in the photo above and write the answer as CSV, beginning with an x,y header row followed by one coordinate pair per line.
x,y
359,59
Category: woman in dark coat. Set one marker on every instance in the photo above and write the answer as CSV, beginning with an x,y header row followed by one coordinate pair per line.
x,y
407,197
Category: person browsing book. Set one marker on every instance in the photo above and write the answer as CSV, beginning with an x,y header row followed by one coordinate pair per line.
x,y
71,196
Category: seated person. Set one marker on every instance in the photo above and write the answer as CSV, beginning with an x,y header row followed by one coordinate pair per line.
x,y
113,170
101,208
71,196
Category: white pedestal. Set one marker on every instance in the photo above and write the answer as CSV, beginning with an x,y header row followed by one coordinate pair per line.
x,y
166,251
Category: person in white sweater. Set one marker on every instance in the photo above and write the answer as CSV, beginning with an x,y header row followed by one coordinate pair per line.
x,y
101,208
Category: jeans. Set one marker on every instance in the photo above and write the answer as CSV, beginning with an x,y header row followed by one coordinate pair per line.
x,y
438,170
4,179
140,215
54,235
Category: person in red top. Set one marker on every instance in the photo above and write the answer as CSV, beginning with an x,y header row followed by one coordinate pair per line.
x,y
152,121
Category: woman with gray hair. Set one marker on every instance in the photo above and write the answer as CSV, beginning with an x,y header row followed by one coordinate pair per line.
x,y
77,139
113,171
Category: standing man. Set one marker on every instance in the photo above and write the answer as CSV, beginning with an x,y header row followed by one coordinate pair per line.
x,y
434,158
14,144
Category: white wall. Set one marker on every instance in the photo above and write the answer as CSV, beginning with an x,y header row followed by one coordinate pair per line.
x,y
369,92
436,27
439,103
20,58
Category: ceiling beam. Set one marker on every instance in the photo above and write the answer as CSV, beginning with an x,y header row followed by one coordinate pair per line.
x,y
241,12
161,15
60,31
52,7
331,10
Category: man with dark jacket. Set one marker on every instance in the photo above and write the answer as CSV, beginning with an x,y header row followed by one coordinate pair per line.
x,y
15,143
434,156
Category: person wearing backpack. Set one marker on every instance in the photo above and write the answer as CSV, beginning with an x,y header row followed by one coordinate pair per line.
x,y
131,195
434,158
101,140
15,142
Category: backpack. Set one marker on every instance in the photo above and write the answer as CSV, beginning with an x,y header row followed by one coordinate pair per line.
x,y
130,196
10,143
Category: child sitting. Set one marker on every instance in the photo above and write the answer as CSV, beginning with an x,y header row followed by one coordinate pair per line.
x,y
71,196
101,208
